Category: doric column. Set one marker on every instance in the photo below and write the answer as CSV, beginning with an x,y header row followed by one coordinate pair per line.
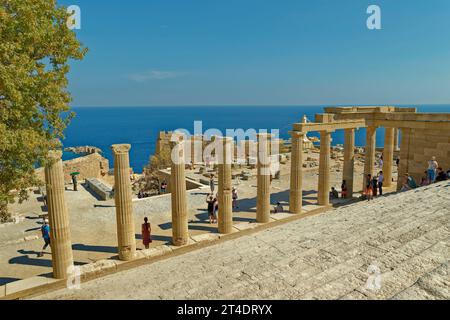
x,y
263,179
396,144
404,155
388,155
225,196
124,207
295,194
369,162
349,160
58,214
180,232
324,168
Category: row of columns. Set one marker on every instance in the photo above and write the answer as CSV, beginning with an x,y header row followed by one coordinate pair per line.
x,y
390,145
62,258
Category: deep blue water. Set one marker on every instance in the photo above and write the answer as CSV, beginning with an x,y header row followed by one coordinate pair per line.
x,y
139,126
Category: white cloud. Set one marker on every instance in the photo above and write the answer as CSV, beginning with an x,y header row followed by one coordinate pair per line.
x,y
155,75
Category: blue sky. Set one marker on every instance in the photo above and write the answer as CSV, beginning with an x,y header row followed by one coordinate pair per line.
x,y
261,52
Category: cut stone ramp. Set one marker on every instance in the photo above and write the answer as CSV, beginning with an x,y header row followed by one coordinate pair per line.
x,y
404,237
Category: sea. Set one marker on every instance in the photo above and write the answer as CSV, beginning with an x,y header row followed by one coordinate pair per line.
x,y
139,126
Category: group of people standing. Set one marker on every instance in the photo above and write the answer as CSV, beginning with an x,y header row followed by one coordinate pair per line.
x,y
374,185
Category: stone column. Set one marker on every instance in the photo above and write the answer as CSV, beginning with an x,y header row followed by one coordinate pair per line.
x,y
404,155
323,196
225,196
123,198
58,214
388,156
349,160
396,144
263,178
296,190
369,163
180,232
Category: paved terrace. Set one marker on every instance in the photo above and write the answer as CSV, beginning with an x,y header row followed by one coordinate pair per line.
x,y
93,222
327,256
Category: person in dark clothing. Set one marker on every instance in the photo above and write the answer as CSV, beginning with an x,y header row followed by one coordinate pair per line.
x,y
375,185
442,175
211,202
75,182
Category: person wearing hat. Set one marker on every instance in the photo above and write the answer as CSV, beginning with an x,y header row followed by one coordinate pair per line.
x,y
45,229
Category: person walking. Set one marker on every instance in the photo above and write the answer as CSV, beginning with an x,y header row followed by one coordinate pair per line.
x,y
234,195
45,230
432,167
211,184
146,233
210,202
380,183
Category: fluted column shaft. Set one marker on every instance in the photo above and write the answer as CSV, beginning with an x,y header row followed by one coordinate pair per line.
x,y
404,154
324,168
225,193
396,140
369,163
388,155
296,187
60,242
349,160
126,236
263,179
180,232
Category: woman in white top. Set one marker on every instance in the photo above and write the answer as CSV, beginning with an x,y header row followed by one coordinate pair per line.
x,y
432,167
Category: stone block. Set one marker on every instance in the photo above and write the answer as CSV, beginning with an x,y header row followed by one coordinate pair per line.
x,y
206,237
98,267
26,284
157,251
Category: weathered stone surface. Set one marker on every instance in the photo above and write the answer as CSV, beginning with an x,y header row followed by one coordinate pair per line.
x,y
327,256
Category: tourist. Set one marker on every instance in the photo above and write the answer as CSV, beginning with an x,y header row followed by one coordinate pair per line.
x,y
344,190
380,164
211,183
210,202
163,187
75,182
380,183
279,208
424,182
375,185
397,162
146,233
216,209
408,183
45,230
441,176
234,195
369,187
432,167
333,193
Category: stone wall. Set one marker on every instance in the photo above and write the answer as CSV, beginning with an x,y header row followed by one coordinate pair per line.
x,y
90,166
418,146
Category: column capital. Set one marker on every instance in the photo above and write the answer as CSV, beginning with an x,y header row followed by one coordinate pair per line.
x,y
264,135
120,148
55,154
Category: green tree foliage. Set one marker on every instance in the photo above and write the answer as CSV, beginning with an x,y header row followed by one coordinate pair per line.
x,y
35,48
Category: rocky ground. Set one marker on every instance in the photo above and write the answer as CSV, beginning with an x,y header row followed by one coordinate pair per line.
x,y
395,247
